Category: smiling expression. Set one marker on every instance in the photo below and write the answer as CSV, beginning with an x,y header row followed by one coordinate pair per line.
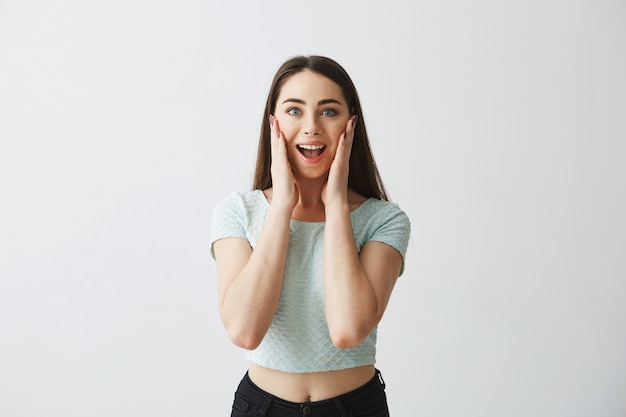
x,y
312,113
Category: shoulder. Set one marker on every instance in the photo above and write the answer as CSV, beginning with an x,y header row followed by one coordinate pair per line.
x,y
239,214
383,211
374,207
242,200
383,221
242,208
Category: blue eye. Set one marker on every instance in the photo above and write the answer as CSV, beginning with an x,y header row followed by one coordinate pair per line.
x,y
329,112
293,111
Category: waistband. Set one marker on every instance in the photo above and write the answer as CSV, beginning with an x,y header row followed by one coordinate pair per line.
x,y
308,408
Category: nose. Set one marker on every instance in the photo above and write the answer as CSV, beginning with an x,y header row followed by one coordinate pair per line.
x,y
311,125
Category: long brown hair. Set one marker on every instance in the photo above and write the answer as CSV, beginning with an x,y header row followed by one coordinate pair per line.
x,y
363,176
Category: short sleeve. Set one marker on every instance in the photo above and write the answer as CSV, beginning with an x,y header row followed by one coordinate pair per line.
x,y
394,230
227,219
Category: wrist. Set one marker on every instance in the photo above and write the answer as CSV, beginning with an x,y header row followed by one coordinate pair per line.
x,y
337,206
281,208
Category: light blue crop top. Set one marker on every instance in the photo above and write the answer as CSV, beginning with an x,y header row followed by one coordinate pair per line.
x,y
298,339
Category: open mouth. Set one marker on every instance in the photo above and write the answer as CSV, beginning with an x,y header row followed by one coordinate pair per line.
x,y
311,151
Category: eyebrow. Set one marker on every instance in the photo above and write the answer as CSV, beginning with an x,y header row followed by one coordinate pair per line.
x,y
319,103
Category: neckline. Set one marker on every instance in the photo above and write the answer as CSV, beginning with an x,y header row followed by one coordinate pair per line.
x,y
261,194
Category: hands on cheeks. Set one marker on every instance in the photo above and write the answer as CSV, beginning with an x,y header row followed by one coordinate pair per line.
x,y
336,187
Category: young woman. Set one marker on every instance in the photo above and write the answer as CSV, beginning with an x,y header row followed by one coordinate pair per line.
x,y
306,262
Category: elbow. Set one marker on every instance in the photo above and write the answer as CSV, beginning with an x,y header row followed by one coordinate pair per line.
x,y
349,337
245,338
343,342
347,334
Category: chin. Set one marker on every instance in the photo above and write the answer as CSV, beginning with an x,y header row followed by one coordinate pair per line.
x,y
311,174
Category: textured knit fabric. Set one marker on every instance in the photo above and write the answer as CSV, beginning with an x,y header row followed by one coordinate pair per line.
x,y
298,339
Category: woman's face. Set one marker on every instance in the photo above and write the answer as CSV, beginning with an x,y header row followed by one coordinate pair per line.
x,y
312,114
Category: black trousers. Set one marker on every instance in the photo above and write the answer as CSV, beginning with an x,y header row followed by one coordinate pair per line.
x,y
368,400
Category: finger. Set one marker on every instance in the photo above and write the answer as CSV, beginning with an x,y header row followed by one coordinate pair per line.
x,y
272,140
350,127
345,140
279,138
280,141
274,135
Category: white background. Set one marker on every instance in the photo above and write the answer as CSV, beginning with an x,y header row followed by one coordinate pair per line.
x,y
500,128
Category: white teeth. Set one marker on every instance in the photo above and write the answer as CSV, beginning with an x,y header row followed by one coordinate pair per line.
x,y
311,147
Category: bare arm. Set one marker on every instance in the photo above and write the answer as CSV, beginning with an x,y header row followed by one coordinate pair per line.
x,y
249,282
357,287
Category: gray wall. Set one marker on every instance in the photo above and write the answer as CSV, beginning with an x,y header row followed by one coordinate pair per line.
x,y
498,126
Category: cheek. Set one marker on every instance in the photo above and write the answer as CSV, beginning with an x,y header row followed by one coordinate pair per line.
x,y
337,128
335,134
286,127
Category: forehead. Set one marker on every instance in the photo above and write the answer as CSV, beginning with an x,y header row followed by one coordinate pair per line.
x,y
310,86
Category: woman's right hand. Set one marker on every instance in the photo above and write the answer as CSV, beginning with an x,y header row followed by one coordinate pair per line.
x,y
284,189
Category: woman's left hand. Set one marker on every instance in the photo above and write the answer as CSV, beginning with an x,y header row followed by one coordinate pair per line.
x,y
336,188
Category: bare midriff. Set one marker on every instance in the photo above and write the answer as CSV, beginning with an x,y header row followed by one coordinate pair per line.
x,y
311,386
